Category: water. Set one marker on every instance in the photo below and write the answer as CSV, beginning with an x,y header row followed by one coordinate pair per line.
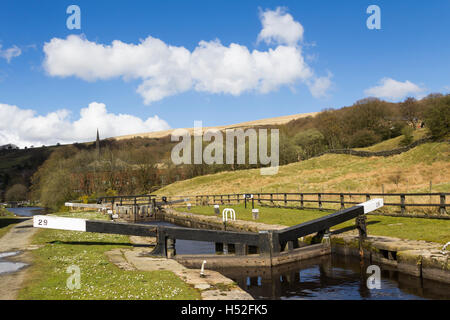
x,y
188,246
27,211
10,266
327,277
332,277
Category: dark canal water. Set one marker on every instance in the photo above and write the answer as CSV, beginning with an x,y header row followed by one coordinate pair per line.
x,y
327,277
332,277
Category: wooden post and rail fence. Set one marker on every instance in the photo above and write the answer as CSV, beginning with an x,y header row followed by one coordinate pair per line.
x,y
405,202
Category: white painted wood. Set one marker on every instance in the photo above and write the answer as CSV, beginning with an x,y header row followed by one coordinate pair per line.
x,y
86,205
60,223
372,205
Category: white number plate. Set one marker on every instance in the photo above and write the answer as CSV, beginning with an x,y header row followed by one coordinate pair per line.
x,y
50,222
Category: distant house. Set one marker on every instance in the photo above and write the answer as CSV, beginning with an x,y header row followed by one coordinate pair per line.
x,y
9,147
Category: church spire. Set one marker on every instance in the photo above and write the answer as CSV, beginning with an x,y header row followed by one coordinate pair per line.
x,y
97,144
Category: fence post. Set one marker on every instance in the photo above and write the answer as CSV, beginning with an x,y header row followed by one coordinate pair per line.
x,y
237,197
135,209
221,198
367,197
207,200
271,198
259,198
342,201
402,203
442,206
301,201
285,199
319,196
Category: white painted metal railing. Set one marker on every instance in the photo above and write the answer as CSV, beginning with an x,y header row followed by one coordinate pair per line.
x,y
225,214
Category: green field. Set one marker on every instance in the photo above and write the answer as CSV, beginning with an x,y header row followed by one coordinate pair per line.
x,y
405,228
100,279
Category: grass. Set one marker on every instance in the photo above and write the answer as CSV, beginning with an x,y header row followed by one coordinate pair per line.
x,y
100,279
405,228
395,143
407,172
6,223
7,220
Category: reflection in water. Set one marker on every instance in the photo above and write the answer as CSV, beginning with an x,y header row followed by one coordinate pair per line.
x,y
332,277
327,277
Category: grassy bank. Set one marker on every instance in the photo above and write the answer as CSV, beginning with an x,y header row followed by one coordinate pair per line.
x,y
100,279
404,228
6,223
395,143
407,172
7,220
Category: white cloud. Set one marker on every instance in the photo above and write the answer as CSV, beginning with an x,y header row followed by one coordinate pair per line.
x,y
320,85
167,70
280,27
395,90
24,127
10,53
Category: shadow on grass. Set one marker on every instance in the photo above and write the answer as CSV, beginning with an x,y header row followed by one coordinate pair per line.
x,y
24,227
4,222
349,228
93,243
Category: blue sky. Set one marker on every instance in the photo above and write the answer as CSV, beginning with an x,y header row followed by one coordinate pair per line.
x,y
411,53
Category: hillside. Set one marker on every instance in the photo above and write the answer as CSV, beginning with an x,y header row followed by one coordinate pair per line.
x,y
407,172
17,166
395,143
263,122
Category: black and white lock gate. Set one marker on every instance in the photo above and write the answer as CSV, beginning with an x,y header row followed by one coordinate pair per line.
x,y
269,242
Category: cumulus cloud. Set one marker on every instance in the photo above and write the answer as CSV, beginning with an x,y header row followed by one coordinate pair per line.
x,y
320,85
280,27
167,70
24,127
395,90
10,53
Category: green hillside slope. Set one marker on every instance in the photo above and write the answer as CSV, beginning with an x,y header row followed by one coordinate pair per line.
x,y
407,172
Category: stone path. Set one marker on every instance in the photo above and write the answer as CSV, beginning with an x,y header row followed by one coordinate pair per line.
x,y
214,286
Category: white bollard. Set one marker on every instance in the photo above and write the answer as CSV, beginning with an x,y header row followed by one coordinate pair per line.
x,y
255,214
188,206
202,270
216,209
